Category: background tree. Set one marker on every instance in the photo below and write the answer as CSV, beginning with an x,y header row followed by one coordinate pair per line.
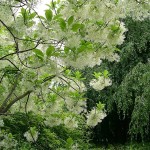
x,y
127,100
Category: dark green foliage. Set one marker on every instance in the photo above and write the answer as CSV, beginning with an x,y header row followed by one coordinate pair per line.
x,y
135,99
20,122
128,99
50,138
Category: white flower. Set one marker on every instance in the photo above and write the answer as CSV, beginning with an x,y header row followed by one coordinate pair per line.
x,y
79,107
113,57
75,106
70,102
53,121
6,14
77,85
55,106
100,83
84,59
73,41
70,122
94,117
31,135
74,84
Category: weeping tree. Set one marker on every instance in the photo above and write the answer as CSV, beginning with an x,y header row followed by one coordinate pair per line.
x,y
127,100
42,57
134,86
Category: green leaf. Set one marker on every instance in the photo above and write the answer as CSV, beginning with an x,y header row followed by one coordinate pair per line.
x,y
78,75
114,28
117,50
62,23
30,24
100,106
100,23
31,16
70,20
41,17
57,17
97,74
38,53
10,136
50,50
24,14
69,143
81,48
52,97
49,14
68,72
105,73
56,54
90,46
76,27
116,1
66,50
53,4
23,11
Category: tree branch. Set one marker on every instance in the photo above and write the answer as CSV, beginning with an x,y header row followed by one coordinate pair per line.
x,y
10,54
8,96
14,101
11,63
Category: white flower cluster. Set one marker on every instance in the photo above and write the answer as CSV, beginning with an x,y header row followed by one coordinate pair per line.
x,y
137,9
84,59
72,83
95,116
31,135
20,27
71,122
73,41
77,85
102,25
54,107
5,39
100,83
116,34
5,14
30,4
53,121
75,106
113,57
7,141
